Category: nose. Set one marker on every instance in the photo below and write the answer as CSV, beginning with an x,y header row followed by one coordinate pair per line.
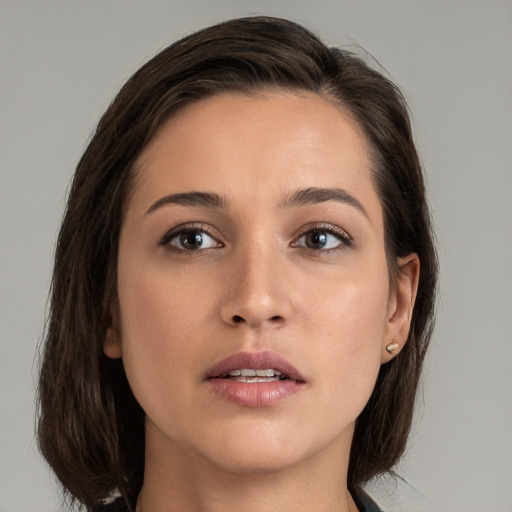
x,y
257,292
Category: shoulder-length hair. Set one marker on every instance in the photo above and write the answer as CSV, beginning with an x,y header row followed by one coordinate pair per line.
x,y
91,429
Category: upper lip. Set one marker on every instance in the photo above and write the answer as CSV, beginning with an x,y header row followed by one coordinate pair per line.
x,y
256,361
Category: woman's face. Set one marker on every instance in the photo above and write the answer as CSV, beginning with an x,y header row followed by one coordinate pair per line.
x,y
254,241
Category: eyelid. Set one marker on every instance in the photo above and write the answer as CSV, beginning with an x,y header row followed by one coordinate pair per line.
x,y
346,239
187,227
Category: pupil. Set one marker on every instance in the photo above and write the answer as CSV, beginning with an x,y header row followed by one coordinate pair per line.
x,y
192,240
316,240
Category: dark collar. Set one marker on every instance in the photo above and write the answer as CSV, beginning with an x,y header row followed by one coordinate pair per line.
x,y
364,502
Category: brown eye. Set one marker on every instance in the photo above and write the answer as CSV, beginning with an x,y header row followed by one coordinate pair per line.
x,y
321,239
316,240
193,240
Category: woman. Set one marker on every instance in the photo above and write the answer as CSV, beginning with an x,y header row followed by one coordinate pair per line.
x,y
244,283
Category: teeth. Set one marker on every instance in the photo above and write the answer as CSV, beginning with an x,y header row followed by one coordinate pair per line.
x,y
246,372
266,373
256,379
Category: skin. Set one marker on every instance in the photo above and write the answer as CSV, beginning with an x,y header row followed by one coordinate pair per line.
x,y
329,311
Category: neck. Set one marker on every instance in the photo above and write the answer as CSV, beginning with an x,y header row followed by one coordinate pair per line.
x,y
185,482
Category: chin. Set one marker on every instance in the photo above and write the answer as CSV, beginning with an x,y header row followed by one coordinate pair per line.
x,y
255,464
261,451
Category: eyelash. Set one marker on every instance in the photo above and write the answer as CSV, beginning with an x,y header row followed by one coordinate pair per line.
x,y
345,240
183,229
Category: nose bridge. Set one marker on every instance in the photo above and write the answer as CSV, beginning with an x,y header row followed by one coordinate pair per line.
x,y
256,295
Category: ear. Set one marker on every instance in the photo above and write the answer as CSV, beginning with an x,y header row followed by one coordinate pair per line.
x,y
112,343
401,304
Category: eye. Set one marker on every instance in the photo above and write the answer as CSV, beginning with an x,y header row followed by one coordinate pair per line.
x,y
324,239
193,240
189,239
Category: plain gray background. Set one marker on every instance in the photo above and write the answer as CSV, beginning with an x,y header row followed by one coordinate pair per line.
x,y
61,63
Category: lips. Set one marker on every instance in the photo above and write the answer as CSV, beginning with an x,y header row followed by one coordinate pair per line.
x,y
255,361
254,379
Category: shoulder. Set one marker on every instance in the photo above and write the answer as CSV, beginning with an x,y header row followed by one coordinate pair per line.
x,y
365,502
393,493
116,505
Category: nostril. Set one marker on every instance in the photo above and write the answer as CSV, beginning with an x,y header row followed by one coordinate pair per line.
x,y
237,319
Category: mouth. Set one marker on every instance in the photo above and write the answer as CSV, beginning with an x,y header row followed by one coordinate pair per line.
x,y
249,375
252,366
254,379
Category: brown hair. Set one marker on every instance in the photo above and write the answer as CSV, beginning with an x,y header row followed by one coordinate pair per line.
x,y
91,429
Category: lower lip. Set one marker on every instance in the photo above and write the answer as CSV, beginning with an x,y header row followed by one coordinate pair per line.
x,y
256,394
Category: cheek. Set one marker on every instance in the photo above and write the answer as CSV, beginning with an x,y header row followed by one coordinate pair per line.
x,y
349,321
350,308
160,306
159,337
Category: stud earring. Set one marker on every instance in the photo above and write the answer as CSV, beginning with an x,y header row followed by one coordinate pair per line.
x,y
392,347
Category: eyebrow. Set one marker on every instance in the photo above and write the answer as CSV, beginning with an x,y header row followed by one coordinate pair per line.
x,y
316,195
311,195
189,199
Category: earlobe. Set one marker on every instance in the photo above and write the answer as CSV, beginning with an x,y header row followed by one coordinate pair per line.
x,y
112,342
401,307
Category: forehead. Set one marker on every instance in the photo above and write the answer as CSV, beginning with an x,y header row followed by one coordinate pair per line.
x,y
256,147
